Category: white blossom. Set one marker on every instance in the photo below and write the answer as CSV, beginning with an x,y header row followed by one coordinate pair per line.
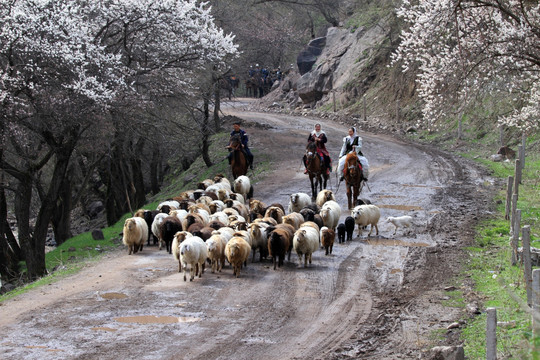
x,y
462,48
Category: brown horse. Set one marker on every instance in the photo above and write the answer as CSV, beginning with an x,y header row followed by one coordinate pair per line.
x,y
315,168
239,164
353,178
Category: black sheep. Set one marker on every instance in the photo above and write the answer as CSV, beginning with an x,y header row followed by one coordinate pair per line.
x,y
169,227
349,227
341,229
149,216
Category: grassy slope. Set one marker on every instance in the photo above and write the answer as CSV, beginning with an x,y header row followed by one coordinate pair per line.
x,y
488,278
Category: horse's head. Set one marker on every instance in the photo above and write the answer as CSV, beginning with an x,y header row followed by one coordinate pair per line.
x,y
311,147
351,163
235,142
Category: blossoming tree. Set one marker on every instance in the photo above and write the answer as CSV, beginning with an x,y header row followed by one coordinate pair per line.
x,y
465,49
67,70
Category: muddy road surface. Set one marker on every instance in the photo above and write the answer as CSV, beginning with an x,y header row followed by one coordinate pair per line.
x,y
379,297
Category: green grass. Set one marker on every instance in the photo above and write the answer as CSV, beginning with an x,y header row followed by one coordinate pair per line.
x,y
72,255
496,282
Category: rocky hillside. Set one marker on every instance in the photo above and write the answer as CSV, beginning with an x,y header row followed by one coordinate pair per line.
x,y
345,75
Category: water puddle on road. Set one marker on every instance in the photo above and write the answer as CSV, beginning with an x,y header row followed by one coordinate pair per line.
x,y
42,347
389,196
153,319
394,242
113,295
422,186
103,329
400,207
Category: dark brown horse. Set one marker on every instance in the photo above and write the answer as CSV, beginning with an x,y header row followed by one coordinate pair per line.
x,y
316,170
239,164
353,178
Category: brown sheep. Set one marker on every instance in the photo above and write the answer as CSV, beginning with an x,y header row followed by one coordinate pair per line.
x,y
327,239
204,233
276,213
257,206
191,219
281,242
237,252
324,196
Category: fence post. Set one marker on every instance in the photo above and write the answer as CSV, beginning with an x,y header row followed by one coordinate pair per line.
x,y
491,334
509,189
522,158
515,237
536,302
513,212
527,267
517,176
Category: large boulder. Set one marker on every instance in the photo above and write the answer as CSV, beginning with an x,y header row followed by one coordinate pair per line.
x,y
308,56
344,55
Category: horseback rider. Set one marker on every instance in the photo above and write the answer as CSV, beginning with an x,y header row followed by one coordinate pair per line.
x,y
244,140
318,137
351,142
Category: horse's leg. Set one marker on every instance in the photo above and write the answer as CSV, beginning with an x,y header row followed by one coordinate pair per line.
x,y
313,194
349,196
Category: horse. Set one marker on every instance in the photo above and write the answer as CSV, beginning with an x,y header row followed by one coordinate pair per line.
x,y
229,84
353,178
316,169
239,163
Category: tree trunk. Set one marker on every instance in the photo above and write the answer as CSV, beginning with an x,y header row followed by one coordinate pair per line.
x,y
217,102
61,218
204,132
10,253
155,166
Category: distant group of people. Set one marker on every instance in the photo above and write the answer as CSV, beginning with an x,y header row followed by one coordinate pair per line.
x,y
264,73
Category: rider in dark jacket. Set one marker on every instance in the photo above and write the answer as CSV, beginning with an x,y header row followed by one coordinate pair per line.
x,y
244,140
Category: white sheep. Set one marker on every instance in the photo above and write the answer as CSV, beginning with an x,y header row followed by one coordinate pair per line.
x,y
216,251
193,252
238,197
365,215
237,252
242,185
330,213
226,232
298,201
259,239
173,204
324,196
135,233
400,221
305,242
179,237
156,227
221,217
180,214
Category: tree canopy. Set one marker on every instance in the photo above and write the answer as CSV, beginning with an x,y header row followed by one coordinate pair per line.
x,y
465,49
82,81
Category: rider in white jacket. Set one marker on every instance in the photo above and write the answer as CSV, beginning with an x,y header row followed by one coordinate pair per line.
x,y
350,143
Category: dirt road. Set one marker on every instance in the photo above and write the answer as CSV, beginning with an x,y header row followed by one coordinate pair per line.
x,y
372,298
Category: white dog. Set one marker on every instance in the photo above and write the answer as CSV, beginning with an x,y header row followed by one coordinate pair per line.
x,y
400,221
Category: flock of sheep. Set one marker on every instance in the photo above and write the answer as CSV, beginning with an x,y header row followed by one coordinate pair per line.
x,y
221,221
